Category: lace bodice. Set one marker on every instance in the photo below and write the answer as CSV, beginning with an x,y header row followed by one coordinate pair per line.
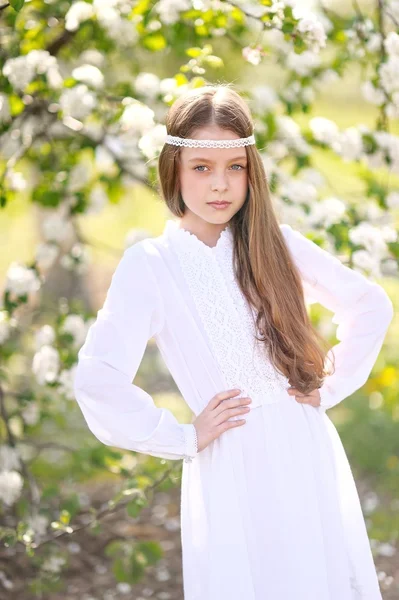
x,y
227,318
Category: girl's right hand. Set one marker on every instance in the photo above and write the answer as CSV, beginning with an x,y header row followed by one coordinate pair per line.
x,y
213,420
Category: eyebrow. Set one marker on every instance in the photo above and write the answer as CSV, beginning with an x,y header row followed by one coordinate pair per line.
x,y
211,161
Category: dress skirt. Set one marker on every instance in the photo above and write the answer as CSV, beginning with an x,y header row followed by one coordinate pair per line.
x,y
292,530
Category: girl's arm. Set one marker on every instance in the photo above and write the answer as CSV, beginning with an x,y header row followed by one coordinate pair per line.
x,y
118,412
363,312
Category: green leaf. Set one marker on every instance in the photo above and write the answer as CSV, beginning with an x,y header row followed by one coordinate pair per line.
x,y
134,508
194,52
17,4
154,42
214,61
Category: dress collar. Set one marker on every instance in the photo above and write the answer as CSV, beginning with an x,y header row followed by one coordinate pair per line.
x,y
183,236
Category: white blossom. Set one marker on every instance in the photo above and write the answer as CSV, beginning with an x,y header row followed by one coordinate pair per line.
x,y
373,44
327,212
364,261
11,484
147,84
169,10
53,564
151,143
31,413
79,176
370,502
78,102
5,115
168,85
98,199
304,63
9,458
38,523
92,56
5,326
66,381
349,144
392,199
137,118
390,267
121,30
45,364
372,94
252,55
313,30
312,176
386,549
46,255
75,326
391,43
299,192
21,280
389,74
393,7
370,237
21,70
16,181
324,130
77,14
56,228
44,336
275,38
90,75
77,259
263,98
104,160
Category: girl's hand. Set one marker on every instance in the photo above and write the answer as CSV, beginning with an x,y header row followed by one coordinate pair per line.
x,y
313,398
213,420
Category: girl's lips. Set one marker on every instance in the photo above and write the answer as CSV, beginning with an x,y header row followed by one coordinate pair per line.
x,y
220,204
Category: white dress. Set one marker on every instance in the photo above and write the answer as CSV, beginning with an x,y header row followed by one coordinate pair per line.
x,y
269,510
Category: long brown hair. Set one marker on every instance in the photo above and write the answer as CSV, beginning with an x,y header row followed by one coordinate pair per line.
x,y
264,268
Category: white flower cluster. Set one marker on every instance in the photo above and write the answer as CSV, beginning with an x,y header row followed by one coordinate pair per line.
x,y
263,99
77,259
21,280
46,360
289,137
78,102
169,10
5,326
350,146
21,70
109,14
388,78
374,258
11,482
5,114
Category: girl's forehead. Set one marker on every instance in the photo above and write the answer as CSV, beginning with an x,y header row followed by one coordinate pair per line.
x,y
213,155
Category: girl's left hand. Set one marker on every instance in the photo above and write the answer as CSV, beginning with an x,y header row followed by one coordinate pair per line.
x,y
313,398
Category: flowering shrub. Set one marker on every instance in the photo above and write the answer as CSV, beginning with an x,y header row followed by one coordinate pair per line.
x,y
81,111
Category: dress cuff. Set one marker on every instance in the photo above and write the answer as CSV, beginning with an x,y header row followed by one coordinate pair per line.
x,y
325,399
190,441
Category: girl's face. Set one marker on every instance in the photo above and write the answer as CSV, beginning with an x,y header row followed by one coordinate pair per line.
x,y
211,175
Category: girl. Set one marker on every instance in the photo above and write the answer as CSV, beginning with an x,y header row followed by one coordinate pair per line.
x,y
269,506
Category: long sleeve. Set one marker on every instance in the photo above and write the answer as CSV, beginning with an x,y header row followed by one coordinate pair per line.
x,y
116,411
362,311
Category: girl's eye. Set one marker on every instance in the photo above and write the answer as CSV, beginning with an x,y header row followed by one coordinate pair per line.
x,y
199,166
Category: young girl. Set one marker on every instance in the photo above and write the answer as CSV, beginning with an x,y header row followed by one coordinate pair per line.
x,y
269,506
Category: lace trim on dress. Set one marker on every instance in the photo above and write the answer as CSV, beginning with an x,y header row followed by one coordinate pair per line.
x,y
227,318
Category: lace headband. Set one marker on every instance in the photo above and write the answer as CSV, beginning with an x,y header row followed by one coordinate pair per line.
x,y
191,143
